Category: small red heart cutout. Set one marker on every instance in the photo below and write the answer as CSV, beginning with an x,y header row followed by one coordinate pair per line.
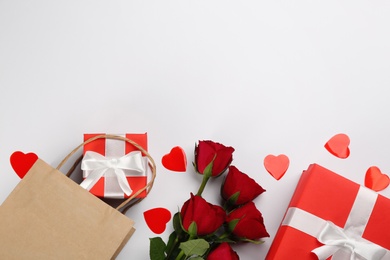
x,y
175,160
375,179
276,165
22,163
157,219
338,146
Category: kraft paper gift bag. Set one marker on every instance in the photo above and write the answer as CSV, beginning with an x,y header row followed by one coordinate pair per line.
x,y
49,216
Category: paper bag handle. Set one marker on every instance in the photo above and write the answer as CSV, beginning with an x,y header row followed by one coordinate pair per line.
x,y
123,207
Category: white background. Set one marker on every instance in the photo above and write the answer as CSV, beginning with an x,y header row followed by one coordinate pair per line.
x,y
266,77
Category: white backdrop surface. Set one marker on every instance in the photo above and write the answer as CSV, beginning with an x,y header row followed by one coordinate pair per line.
x,y
266,77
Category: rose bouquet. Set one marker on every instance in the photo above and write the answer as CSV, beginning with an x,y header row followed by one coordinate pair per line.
x,y
206,231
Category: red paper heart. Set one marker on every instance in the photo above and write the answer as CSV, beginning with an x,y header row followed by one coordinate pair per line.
x,y
276,165
175,160
157,219
338,146
22,163
375,179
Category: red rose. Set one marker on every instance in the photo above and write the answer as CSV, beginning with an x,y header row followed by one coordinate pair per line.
x,y
223,251
207,217
247,222
239,182
207,151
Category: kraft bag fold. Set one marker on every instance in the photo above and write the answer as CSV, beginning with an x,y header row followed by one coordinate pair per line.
x,y
49,216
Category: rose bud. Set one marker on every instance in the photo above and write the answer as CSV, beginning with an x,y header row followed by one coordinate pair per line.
x,y
207,152
206,217
223,251
238,188
246,222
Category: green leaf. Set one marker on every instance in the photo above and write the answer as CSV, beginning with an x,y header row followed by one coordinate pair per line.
x,y
208,171
233,199
197,258
257,242
177,223
157,249
196,247
171,242
192,229
225,239
172,249
232,224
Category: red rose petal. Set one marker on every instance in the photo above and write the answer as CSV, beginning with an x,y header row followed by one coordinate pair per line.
x,y
276,165
338,146
22,163
157,219
375,179
175,160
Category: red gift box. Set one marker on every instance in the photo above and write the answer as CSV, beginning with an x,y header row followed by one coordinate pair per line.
x,y
348,219
107,186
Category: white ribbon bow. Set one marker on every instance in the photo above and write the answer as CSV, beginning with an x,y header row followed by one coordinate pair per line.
x,y
99,165
340,245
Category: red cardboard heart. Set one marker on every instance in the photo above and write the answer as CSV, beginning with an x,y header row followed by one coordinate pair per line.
x,y
338,146
175,160
276,165
21,162
375,179
157,219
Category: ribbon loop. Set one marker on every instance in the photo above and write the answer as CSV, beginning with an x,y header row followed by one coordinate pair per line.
x,y
340,245
99,165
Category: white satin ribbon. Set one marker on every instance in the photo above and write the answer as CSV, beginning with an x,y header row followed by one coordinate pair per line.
x,y
338,244
97,166
341,243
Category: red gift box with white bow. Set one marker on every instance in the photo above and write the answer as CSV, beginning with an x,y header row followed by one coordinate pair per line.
x,y
331,217
114,168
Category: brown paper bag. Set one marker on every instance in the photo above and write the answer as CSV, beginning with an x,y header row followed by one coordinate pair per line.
x,y
49,216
